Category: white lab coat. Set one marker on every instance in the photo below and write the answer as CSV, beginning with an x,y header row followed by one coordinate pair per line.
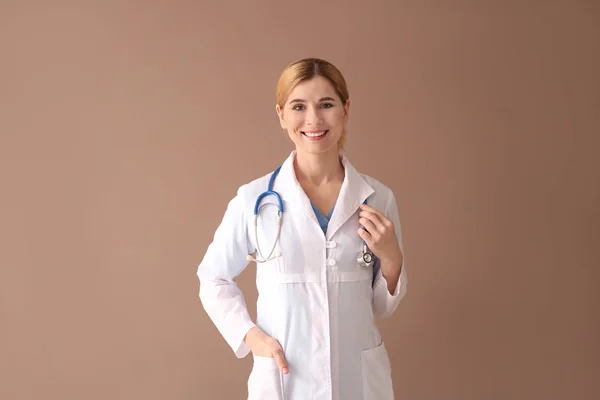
x,y
315,299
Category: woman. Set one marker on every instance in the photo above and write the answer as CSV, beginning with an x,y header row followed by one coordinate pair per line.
x,y
315,336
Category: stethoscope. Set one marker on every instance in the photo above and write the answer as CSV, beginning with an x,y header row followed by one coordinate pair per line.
x,y
364,258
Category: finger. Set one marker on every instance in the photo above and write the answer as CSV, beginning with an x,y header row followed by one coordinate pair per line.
x,y
380,215
366,236
280,360
367,207
374,218
370,227
385,221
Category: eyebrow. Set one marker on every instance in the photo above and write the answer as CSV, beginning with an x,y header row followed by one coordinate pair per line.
x,y
320,100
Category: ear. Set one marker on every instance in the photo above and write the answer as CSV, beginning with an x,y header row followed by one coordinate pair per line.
x,y
279,112
346,110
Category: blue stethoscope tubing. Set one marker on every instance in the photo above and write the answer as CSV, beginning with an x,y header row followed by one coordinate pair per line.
x,y
257,208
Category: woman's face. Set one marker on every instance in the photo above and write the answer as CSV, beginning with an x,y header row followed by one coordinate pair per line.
x,y
314,116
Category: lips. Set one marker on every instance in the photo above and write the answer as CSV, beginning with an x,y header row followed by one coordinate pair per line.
x,y
315,134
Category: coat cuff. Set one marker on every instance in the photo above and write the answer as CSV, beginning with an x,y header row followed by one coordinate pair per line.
x,y
239,347
385,301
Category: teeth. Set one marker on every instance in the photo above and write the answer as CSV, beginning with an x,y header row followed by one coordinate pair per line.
x,y
315,134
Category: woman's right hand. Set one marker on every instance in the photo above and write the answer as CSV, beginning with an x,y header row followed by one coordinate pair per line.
x,y
263,345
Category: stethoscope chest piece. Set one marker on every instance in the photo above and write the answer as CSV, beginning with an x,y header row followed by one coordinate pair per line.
x,y
365,258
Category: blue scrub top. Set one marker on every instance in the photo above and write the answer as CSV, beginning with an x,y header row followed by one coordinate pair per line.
x,y
323,220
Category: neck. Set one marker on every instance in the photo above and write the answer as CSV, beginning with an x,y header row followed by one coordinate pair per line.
x,y
319,169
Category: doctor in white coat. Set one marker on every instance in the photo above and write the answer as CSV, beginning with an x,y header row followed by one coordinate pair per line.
x,y
315,336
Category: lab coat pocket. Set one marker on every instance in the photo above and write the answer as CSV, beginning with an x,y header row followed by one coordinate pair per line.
x,y
376,374
264,382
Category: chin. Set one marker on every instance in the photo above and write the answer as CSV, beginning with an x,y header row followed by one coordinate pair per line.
x,y
317,149
327,145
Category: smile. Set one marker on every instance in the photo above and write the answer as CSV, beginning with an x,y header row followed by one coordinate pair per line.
x,y
314,134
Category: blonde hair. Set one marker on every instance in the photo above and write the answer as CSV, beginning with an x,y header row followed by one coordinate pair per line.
x,y
305,69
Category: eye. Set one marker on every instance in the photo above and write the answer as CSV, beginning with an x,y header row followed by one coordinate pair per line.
x,y
298,107
326,105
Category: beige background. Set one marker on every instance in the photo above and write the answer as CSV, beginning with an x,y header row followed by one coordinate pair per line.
x,y
127,126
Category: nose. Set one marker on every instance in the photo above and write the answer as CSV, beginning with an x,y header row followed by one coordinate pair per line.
x,y
313,117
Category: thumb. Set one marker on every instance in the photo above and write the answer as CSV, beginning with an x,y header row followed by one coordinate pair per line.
x,y
280,360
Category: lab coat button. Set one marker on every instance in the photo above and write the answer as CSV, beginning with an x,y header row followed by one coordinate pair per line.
x,y
330,244
331,262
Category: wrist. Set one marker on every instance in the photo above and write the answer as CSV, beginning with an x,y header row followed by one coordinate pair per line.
x,y
250,335
393,263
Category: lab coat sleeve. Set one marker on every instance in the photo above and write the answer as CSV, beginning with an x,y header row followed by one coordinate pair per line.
x,y
385,303
225,259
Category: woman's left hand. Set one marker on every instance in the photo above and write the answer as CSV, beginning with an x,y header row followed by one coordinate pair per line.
x,y
380,236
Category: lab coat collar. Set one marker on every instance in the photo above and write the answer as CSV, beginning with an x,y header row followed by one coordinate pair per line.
x,y
352,194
